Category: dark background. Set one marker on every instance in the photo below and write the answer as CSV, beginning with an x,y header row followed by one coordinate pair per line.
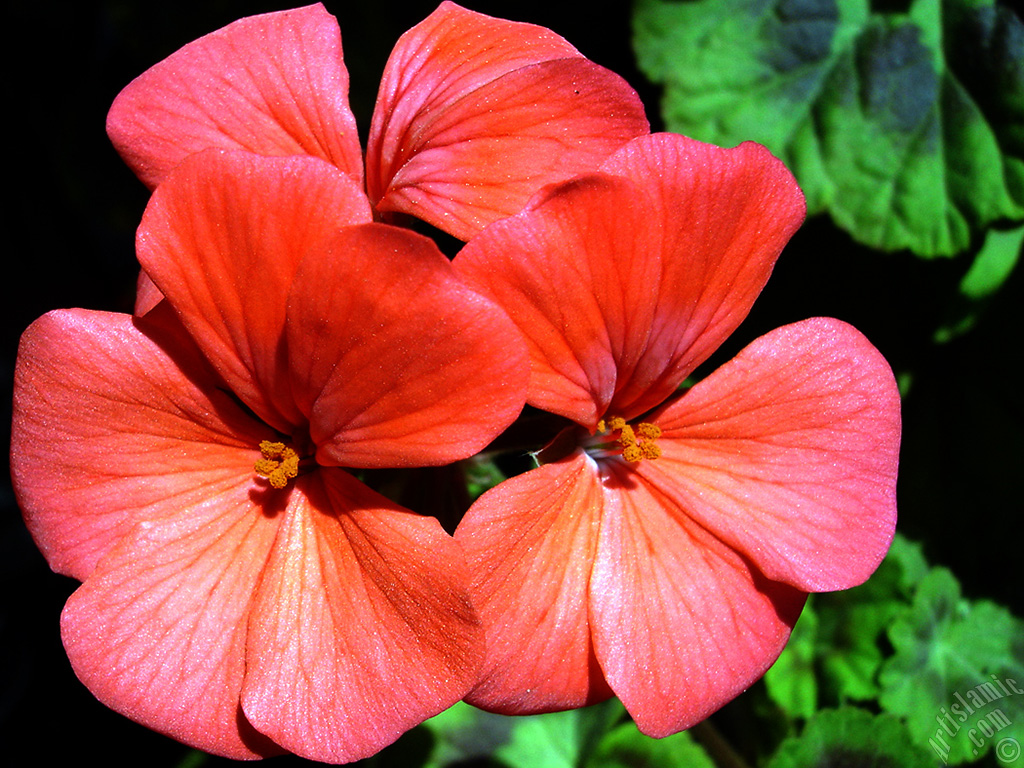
x,y
70,229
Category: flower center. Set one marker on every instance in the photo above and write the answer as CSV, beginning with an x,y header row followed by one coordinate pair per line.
x,y
279,463
615,436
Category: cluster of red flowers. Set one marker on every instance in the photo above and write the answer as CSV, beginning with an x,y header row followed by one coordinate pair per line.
x,y
196,465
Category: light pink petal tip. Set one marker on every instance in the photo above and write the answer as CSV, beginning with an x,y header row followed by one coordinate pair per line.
x,y
590,582
682,623
273,84
157,632
789,454
475,114
114,424
362,627
530,543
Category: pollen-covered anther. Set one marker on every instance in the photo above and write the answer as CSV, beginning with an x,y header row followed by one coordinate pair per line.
x,y
278,465
636,442
648,431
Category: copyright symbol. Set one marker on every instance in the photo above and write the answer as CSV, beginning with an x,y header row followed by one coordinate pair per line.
x,y
1008,750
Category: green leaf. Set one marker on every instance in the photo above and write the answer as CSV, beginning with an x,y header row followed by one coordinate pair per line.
x,y
992,265
908,557
957,674
462,733
482,474
907,128
791,680
851,623
626,747
849,736
557,740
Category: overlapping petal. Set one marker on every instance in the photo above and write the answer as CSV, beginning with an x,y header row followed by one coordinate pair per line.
x,y
273,84
624,281
589,580
531,543
393,359
776,474
222,238
553,269
789,454
205,590
158,631
116,421
475,114
682,623
362,627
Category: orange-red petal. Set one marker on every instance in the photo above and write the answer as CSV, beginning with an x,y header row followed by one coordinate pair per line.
x,y
222,238
624,281
788,453
681,623
589,581
362,627
157,632
273,84
530,543
394,360
476,113
117,420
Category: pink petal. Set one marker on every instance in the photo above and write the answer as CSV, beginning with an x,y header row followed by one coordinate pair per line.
x,y
147,295
538,267
158,630
530,543
475,114
362,627
729,213
682,624
221,239
788,453
394,360
273,84
624,283
117,421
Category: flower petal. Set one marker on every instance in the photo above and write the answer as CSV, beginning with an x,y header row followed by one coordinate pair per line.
x,y
273,84
538,266
158,631
362,627
682,624
788,453
394,360
475,114
116,421
221,239
147,295
725,216
530,543
624,283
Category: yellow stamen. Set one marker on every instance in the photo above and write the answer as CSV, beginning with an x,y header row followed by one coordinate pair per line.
x,y
279,464
637,443
616,422
648,431
650,451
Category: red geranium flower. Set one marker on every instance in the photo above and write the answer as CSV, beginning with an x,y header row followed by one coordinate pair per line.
x,y
243,592
664,547
473,116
